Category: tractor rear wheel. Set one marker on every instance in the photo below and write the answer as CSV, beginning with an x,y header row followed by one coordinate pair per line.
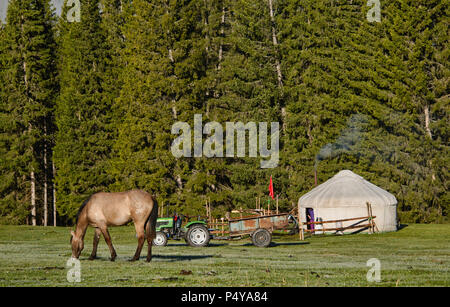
x,y
261,237
160,239
198,236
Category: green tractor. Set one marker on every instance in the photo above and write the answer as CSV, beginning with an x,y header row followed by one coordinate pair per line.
x,y
195,233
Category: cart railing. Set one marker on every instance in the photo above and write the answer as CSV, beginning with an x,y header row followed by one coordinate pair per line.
x,y
370,218
356,225
222,226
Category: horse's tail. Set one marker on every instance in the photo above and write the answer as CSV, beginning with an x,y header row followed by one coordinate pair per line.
x,y
150,226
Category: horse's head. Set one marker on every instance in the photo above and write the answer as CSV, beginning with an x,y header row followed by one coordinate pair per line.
x,y
77,244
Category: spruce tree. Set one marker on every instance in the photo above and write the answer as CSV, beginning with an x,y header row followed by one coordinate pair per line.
x,y
28,92
339,66
83,115
415,52
348,92
142,106
245,90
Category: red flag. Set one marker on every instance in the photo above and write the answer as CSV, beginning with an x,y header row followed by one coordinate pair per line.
x,y
271,188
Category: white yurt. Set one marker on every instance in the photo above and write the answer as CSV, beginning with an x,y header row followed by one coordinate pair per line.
x,y
345,196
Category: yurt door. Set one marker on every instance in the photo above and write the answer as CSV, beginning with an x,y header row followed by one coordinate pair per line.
x,y
310,217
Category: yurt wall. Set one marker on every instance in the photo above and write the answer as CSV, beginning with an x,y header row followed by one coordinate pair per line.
x,y
345,196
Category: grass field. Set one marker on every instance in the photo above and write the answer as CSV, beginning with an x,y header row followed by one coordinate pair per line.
x,y
416,255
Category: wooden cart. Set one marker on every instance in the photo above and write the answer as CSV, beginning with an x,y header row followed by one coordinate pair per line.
x,y
259,228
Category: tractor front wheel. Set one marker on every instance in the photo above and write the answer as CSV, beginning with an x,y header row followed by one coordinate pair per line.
x,y
160,239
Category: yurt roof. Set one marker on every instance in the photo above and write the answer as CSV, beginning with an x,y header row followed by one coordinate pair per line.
x,y
346,189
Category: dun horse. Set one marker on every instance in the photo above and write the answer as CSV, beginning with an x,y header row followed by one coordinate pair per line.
x,y
101,210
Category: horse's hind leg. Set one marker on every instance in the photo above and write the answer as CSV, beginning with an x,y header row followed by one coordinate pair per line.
x,y
108,241
141,239
97,234
150,236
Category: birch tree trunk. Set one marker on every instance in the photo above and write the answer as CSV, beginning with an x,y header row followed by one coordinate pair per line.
x,y
172,60
45,177
275,43
205,23
277,62
174,107
30,128
33,198
222,31
426,111
45,193
54,193
173,100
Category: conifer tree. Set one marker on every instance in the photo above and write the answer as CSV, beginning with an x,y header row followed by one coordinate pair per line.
x,y
28,92
349,92
83,116
341,65
415,53
143,105
246,90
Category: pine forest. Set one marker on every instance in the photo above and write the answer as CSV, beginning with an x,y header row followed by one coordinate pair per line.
x,y
89,97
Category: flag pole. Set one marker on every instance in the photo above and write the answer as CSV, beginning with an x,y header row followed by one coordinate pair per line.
x,y
277,203
270,194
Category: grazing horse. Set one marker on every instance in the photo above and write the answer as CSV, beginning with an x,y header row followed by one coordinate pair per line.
x,y
101,210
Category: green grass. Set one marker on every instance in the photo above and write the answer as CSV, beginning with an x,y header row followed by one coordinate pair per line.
x,y
417,255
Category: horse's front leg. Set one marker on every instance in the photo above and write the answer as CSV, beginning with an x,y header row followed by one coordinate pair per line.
x,y
97,234
107,237
141,239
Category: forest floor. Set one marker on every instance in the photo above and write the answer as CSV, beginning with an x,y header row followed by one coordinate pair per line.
x,y
416,255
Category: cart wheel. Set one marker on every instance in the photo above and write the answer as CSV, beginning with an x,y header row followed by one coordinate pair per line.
x,y
261,237
160,239
198,236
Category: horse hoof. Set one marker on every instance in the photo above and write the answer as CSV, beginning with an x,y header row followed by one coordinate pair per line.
x,y
92,258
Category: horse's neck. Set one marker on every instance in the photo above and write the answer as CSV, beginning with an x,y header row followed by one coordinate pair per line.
x,y
81,228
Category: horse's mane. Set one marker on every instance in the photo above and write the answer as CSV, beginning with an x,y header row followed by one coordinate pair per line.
x,y
82,207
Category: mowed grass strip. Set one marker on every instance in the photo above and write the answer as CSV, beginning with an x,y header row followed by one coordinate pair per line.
x,y
416,255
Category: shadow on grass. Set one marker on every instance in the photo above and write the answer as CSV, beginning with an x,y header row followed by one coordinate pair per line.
x,y
169,258
209,245
173,258
402,226
275,244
